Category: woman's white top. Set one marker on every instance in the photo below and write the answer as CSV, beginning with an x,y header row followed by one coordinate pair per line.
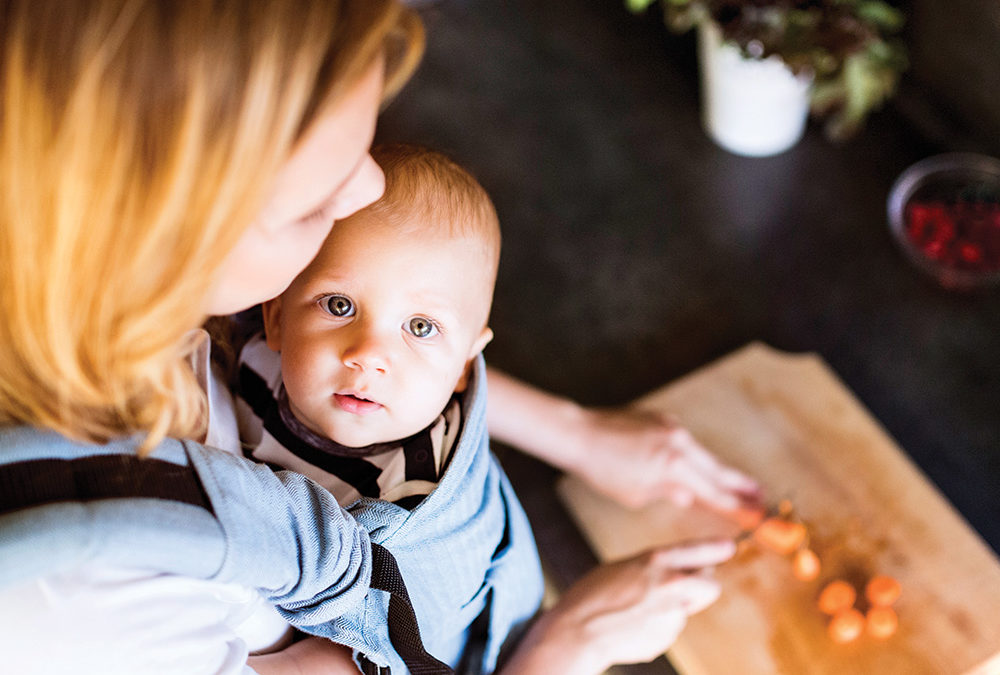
x,y
108,621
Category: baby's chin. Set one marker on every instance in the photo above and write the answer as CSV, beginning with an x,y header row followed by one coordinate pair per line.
x,y
360,438
353,433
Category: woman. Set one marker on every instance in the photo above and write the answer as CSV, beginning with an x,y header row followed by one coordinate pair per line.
x,y
161,162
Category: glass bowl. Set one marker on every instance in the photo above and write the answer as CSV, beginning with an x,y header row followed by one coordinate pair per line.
x,y
944,212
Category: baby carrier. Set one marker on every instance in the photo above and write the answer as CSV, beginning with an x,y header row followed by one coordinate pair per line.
x,y
204,513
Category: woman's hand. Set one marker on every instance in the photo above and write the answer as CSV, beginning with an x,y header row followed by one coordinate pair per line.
x,y
635,457
638,457
626,612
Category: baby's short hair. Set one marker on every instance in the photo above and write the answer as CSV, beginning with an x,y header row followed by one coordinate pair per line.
x,y
426,189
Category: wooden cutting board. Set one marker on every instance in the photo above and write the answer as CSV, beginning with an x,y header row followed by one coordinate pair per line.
x,y
788,421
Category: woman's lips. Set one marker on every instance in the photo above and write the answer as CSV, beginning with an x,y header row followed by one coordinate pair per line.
x,y
353,404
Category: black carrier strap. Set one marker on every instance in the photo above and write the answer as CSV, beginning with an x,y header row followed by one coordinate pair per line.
x,y
403,629
45,481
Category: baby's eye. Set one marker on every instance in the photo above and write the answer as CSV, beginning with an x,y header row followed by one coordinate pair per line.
x,y
421,327
337,305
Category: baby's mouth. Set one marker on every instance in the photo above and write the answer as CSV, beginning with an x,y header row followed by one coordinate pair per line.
x,y
353,403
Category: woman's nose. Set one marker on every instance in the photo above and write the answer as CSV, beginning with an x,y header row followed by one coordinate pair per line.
x,y
366,351
365,187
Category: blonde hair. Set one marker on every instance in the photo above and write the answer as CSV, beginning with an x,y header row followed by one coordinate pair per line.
x,y
136,140
425,188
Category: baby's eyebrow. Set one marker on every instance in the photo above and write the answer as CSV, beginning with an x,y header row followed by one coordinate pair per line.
x,y
321,285
438,308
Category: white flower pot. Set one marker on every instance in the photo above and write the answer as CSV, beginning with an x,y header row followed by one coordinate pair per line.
x,y
752,107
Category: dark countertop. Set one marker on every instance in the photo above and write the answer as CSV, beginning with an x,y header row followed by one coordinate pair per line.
x,y
635,250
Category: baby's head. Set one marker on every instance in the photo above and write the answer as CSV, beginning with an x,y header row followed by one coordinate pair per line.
x,y
380,330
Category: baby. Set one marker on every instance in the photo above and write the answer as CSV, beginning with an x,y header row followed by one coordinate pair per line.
x,y
369,379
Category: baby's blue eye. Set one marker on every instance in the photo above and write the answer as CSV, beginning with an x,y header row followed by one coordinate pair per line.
x,y
337,305
421,327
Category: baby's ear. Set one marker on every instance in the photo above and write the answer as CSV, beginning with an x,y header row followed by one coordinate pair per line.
x,y
477,346
271,311
480,344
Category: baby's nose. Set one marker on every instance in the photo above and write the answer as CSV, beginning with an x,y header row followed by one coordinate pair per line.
x,y
367,351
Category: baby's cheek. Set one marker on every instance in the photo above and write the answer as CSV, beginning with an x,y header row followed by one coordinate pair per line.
x,y
435,396
299,374
310,358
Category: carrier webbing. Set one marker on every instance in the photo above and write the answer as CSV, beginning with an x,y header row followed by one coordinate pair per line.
x,y
38,482
45,481
403,629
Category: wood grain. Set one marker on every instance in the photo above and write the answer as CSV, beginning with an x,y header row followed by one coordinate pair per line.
x,y
788,421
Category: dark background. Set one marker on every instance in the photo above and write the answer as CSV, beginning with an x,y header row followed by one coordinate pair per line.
x,y
635,250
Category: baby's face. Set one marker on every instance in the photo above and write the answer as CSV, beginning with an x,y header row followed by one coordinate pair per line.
x,y
376,334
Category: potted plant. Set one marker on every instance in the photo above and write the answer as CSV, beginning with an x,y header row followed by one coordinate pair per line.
x,y
766,63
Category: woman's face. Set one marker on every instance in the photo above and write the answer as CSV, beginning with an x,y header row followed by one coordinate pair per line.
x,y
328,177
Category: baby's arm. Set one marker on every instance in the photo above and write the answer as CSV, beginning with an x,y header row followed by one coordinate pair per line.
x,y
634,457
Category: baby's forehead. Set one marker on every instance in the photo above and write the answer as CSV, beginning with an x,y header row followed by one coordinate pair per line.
x,y
433,260
417,229
468,236
440,215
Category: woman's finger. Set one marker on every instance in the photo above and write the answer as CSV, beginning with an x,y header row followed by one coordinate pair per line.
x,y
704,487
739,481
705,459
716,482
694,556
681,497
656,635
691,592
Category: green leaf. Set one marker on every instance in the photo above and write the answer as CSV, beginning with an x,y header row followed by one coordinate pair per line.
x,y
880,14
843,43
681,16
638,6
